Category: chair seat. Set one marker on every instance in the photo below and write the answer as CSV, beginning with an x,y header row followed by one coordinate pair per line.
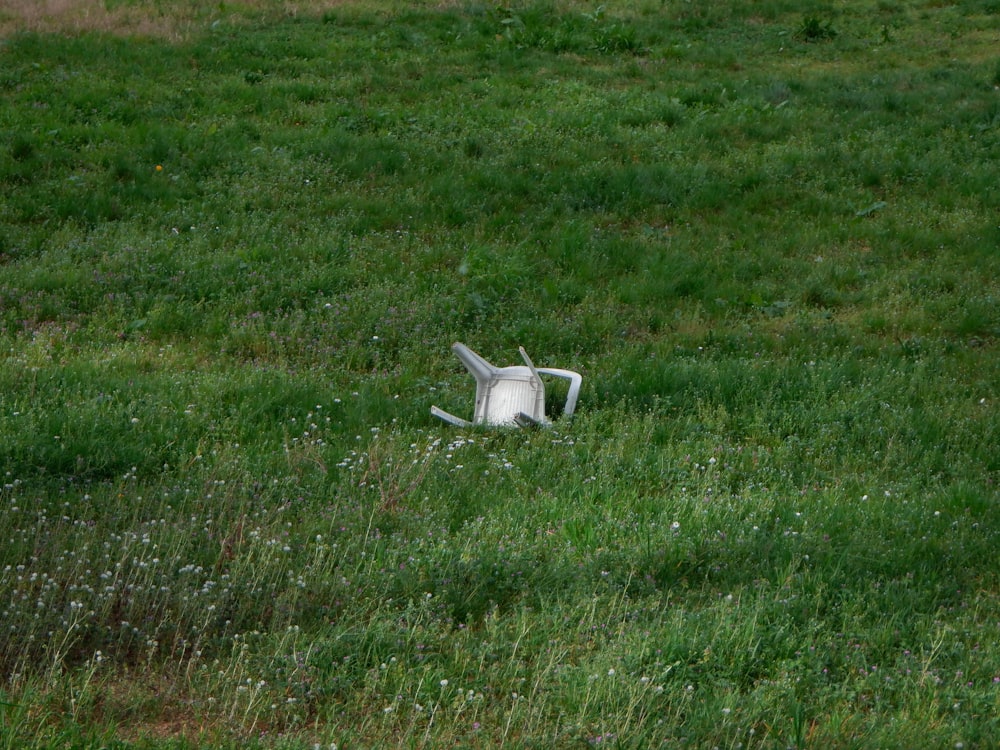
x,y
512,392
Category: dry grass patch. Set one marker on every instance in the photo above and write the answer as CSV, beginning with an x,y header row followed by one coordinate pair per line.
x,y
172,20
74,16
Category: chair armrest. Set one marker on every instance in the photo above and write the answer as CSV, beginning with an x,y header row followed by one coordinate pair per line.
x,y
574,387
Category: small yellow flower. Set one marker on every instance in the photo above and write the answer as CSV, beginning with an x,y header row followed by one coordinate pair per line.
x,y
159,167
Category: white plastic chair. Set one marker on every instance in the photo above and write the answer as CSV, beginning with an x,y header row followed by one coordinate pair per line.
x,y
510,395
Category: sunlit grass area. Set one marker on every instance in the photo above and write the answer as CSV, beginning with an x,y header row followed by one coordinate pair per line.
x,y
237,241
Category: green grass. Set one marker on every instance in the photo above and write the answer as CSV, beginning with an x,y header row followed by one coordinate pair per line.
x,y
234,254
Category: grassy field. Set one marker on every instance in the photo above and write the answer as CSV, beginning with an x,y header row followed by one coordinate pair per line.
x,y
236,243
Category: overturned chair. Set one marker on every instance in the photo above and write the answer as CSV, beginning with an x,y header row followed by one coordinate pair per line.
x,y
510,395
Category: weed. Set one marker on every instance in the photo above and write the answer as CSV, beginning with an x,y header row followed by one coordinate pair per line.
x,y
814,29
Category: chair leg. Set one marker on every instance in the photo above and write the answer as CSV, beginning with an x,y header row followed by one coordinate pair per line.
x,y
524,420
449,418
481,370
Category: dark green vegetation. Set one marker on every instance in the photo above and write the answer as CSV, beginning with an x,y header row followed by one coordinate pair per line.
x,y
231,267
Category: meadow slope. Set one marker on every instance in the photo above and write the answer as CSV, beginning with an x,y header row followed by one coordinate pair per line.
x,y
236,243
